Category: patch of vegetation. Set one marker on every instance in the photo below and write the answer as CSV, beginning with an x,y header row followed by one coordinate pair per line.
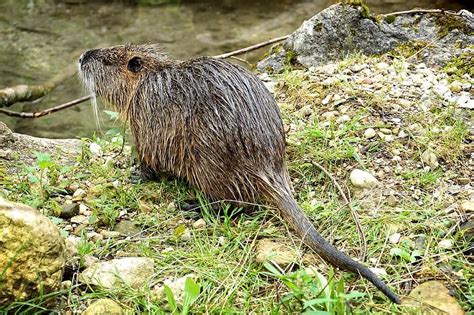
x,y
360,5
450,22
457,67
409,48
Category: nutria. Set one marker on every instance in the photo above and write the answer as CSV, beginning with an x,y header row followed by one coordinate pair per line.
x,y
210,122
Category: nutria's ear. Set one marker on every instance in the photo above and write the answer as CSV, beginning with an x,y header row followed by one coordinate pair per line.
x,y
135,64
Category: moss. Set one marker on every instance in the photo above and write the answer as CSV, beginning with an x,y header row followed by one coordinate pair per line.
x,y
408,49
390,19
360,5
318,27
460,65
449,22
290,57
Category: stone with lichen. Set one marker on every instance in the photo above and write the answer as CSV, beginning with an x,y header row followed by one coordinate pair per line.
x,y
32,253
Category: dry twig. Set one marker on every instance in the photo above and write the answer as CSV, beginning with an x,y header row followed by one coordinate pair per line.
x,y
250,48
45,112
414,11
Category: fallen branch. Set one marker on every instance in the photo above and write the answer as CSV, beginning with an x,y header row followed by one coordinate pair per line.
x,y
45,112
414,11
250,48
348,200
27,93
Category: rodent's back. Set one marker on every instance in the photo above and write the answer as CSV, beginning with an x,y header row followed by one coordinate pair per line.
x,y
210,122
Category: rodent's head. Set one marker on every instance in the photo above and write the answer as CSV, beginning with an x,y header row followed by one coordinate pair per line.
x,y
114,73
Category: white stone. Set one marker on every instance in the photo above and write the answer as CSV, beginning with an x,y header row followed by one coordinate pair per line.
x,y
394,238
379,272
281,254
176,286
127,271
363,179
329,115
447,244
369,133
343,119
95,149
78,194
186,236
326,100
467,206
430,159
199,224
78,219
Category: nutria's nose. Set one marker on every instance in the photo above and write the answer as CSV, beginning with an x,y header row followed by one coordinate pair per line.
x,y
86,56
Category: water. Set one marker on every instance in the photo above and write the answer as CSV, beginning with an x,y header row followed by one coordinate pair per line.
x,y
39,39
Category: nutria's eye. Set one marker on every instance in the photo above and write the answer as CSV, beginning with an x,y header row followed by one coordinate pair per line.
x,y
135,64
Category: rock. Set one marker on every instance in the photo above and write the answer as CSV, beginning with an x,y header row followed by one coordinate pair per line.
x,y
363,179
447,244
341,30
394,238
329,115
385,137
176,286
186,236
68,211
199,224
222,240
455,86
95,149
280,254
109,234
79,219
32,253
369,133
432,294
305,111
343,119
6,154
79,194
104,306
89,260
127,228
380,272
467,206
83,209
392,201
66,285
430,159
128,271
94,236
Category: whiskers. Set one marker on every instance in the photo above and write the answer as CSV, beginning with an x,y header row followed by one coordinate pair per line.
x,y
89,86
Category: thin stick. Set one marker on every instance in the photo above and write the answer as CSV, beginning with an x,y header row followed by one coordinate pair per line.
x,y
419,11
250,48
348,200
45,112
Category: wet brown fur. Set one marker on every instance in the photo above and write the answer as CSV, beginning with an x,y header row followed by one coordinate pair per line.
x,y
212,123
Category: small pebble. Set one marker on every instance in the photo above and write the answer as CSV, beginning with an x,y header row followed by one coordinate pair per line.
x,y
95,149
394,238
199,224
447,244
369,133
363,179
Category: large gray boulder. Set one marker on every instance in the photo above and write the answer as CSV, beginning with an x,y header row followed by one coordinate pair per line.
x,y
341,29
32,253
